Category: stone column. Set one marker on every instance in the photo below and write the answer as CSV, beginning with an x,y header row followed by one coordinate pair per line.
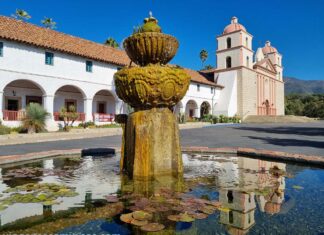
x,y
1,105
48,104
88,109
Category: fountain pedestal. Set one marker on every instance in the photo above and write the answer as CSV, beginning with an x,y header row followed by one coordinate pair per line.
x,y
153,147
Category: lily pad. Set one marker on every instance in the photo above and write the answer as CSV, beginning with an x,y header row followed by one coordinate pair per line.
x,y
224,209
142,215
175,218
199,215
185,217
139,222
152,227
126,218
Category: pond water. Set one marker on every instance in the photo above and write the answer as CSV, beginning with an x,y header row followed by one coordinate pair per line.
x,y
219,194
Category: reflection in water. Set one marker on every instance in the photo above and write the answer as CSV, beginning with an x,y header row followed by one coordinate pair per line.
x,y
257,181
249,191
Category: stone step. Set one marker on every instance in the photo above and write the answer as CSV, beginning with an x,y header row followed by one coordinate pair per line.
x,y
277,119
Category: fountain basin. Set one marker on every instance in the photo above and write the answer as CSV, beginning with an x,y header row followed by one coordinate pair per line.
x,y
151,48
151,86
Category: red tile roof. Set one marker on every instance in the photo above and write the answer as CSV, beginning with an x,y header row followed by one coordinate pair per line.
x,y
16,30
200,77
12,29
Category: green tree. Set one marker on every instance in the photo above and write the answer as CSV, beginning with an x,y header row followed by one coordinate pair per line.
x,y
203,57
48,23
111,42
35,118
21,15
207,67
69,116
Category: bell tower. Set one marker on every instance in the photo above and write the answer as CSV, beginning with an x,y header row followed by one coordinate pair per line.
x,y
234,47
275,57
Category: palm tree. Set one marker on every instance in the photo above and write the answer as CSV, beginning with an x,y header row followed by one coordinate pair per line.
x,y
21,15
48,23
111,42
203,56
35,118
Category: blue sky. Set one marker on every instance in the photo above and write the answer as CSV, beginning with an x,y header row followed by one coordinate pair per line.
x,y
294,27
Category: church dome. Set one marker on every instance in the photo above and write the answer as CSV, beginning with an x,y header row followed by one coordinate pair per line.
x,y
267,49
234,26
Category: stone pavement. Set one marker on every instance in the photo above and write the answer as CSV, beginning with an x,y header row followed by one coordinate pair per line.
x,y
14,139
303,138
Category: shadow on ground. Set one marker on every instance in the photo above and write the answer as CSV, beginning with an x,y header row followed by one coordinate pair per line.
x,y
310,131
289,142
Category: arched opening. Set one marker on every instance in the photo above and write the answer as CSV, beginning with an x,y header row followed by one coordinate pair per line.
x,y
246,42
228,62
247,61
229,42
204,109
18,95
104,107
191,109
68,96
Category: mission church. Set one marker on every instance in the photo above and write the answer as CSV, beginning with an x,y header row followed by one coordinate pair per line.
x,y
54,69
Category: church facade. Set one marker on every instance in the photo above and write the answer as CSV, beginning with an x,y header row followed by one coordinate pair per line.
x,y
253,81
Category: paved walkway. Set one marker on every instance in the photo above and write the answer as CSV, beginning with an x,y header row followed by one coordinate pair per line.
x,y
304,138
14,139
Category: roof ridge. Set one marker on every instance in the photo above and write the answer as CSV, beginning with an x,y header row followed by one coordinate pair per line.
x,y
56,31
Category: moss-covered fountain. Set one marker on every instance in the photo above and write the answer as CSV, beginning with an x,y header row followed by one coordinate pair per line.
x,y
151,145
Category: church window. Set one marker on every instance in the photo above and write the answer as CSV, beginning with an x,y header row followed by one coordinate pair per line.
x,y
212,90
247,61
198,87
228,62
1,48
246,42
230,217
230,197
49,58
89,65
229,42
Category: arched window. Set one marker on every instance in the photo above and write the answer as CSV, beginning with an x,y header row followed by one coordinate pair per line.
x,y
247,61
228,62
246,42
229,42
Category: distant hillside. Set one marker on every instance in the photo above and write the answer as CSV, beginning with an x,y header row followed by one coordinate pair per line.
x,y
297,86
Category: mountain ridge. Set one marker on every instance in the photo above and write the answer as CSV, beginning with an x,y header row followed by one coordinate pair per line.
x,y
297,86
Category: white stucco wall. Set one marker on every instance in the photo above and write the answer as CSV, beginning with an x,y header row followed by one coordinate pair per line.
x,y
227,102
203,95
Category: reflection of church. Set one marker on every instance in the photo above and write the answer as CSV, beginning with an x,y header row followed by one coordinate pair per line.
x,y
255,182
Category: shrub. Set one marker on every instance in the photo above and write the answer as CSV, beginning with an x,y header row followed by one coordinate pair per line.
x,y
87,124
69,117
19,129
207,118
35,118
4,130
215,119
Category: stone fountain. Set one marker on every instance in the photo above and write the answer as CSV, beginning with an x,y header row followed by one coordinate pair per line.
x,y
151,145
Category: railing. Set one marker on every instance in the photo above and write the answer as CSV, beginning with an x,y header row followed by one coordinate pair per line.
x,y
9,115
81,117
103,117
266,111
